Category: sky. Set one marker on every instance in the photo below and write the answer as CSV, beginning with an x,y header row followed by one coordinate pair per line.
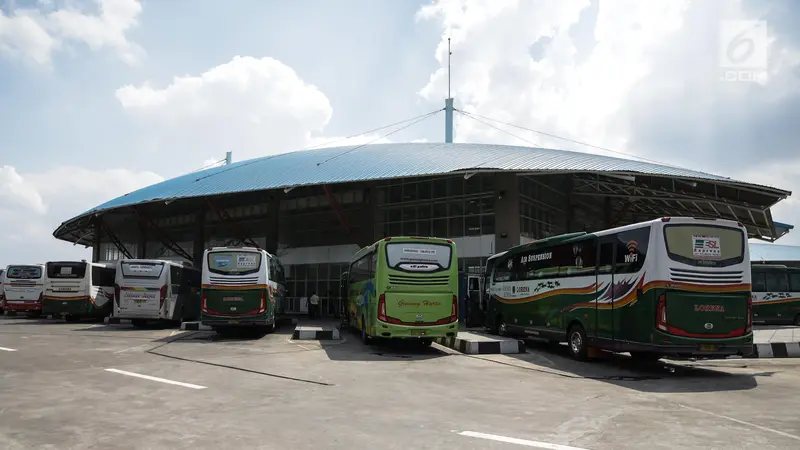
x,y
101,97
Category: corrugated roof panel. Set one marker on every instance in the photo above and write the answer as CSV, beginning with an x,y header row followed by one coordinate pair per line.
x,y
383,161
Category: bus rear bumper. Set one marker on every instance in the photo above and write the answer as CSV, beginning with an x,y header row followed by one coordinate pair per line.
x,y
385,330
229,321
709,350
23,307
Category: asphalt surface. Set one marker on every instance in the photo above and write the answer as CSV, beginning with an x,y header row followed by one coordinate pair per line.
x,y
95,386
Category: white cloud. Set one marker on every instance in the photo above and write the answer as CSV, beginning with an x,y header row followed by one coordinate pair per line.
x,y
251,106
638,77
33,204
34,34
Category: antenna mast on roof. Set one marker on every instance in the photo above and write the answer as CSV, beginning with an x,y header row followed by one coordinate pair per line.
x,y
448,103
228,158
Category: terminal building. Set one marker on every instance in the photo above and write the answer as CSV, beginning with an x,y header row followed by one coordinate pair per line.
x,y
314,209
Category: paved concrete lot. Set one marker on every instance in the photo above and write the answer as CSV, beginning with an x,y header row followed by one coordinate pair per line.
x,y
766,334
89,385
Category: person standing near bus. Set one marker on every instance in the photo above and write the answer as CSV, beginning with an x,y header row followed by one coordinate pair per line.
x,y
313,306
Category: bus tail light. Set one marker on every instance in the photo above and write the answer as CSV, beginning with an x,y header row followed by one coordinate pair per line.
x,y
203,300
382,308
454,310
661,313
749,324
117,291
263,306
387,239
163,296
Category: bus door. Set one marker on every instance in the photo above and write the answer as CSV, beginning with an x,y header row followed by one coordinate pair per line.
x,y
604,305
476,309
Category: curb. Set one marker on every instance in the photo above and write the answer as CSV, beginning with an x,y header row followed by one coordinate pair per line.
x,y
776,350
115,321
494,347
194,326
315,334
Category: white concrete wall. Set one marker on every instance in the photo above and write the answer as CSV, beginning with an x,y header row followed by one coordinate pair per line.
x,y
474,246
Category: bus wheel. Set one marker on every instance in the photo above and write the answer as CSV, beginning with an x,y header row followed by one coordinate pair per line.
x,y
576,338
270,328
797,320
364,336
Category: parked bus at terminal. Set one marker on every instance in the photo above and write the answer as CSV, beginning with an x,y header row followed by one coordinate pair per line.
x,y
404,287
156,290
78,289
671,286
241,287
776,294
2,292
23,288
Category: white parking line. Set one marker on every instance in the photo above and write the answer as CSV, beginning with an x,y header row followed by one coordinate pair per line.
x,y
7,349
162,380
523,442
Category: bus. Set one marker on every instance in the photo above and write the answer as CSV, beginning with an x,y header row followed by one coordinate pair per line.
x,y
241,288
23,288
156,290
78,289
406,288
2,294
776,294
674,286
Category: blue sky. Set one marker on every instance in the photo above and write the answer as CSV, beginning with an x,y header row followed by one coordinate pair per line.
x,y
101,97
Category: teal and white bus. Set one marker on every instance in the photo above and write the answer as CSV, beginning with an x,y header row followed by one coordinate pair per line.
x,y
672,286
404,287
776,294
241,288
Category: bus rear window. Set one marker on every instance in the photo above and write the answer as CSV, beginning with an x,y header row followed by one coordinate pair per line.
x,y
142,269
704,245
73,270
24,272
418,256
234,263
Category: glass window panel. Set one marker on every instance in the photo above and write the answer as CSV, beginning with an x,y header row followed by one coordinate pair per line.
x,y
473,207
395,194
424,211
395,229
473,184
424,190
409,213
487,205
455,208
439,210
439,228
488,182
487,224
409,228
473,225
395,215
409,192
456,226
424,228
455,186
439,188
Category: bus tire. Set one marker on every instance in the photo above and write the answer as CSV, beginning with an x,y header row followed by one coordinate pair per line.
x,y
270,328
797,320
576,342
365,339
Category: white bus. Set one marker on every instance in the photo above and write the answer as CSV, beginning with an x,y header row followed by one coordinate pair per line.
x,y
23,288
241,287
78,289
157,290
673,286
2,294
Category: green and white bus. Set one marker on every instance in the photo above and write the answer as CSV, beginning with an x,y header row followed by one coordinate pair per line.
x,y
404,287
78,289
669,287
241,287
776,294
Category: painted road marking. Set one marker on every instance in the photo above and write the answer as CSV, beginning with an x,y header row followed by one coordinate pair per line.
x,y
523,442
742,422
7,349
162,380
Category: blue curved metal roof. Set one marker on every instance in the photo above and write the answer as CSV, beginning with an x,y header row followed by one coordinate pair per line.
x,y
385,161
774,253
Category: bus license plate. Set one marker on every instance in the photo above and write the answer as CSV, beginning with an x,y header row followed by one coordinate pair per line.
x,y
418,332
708,348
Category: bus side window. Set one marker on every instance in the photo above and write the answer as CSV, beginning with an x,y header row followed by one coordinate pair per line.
x,y
503,271
759,282
175,279
777,282
605,258
102,276
632,250
794,281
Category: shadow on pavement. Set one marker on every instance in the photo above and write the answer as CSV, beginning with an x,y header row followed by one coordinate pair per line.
x,y
352,349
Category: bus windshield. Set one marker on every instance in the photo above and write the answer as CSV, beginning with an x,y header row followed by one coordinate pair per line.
x,y
418,256
705,245
24,272
137,269
234,262
73,270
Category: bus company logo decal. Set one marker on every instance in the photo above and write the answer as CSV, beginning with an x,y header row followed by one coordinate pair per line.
x,y
232,299
709,308
709,325
538,257
418,304
632,256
